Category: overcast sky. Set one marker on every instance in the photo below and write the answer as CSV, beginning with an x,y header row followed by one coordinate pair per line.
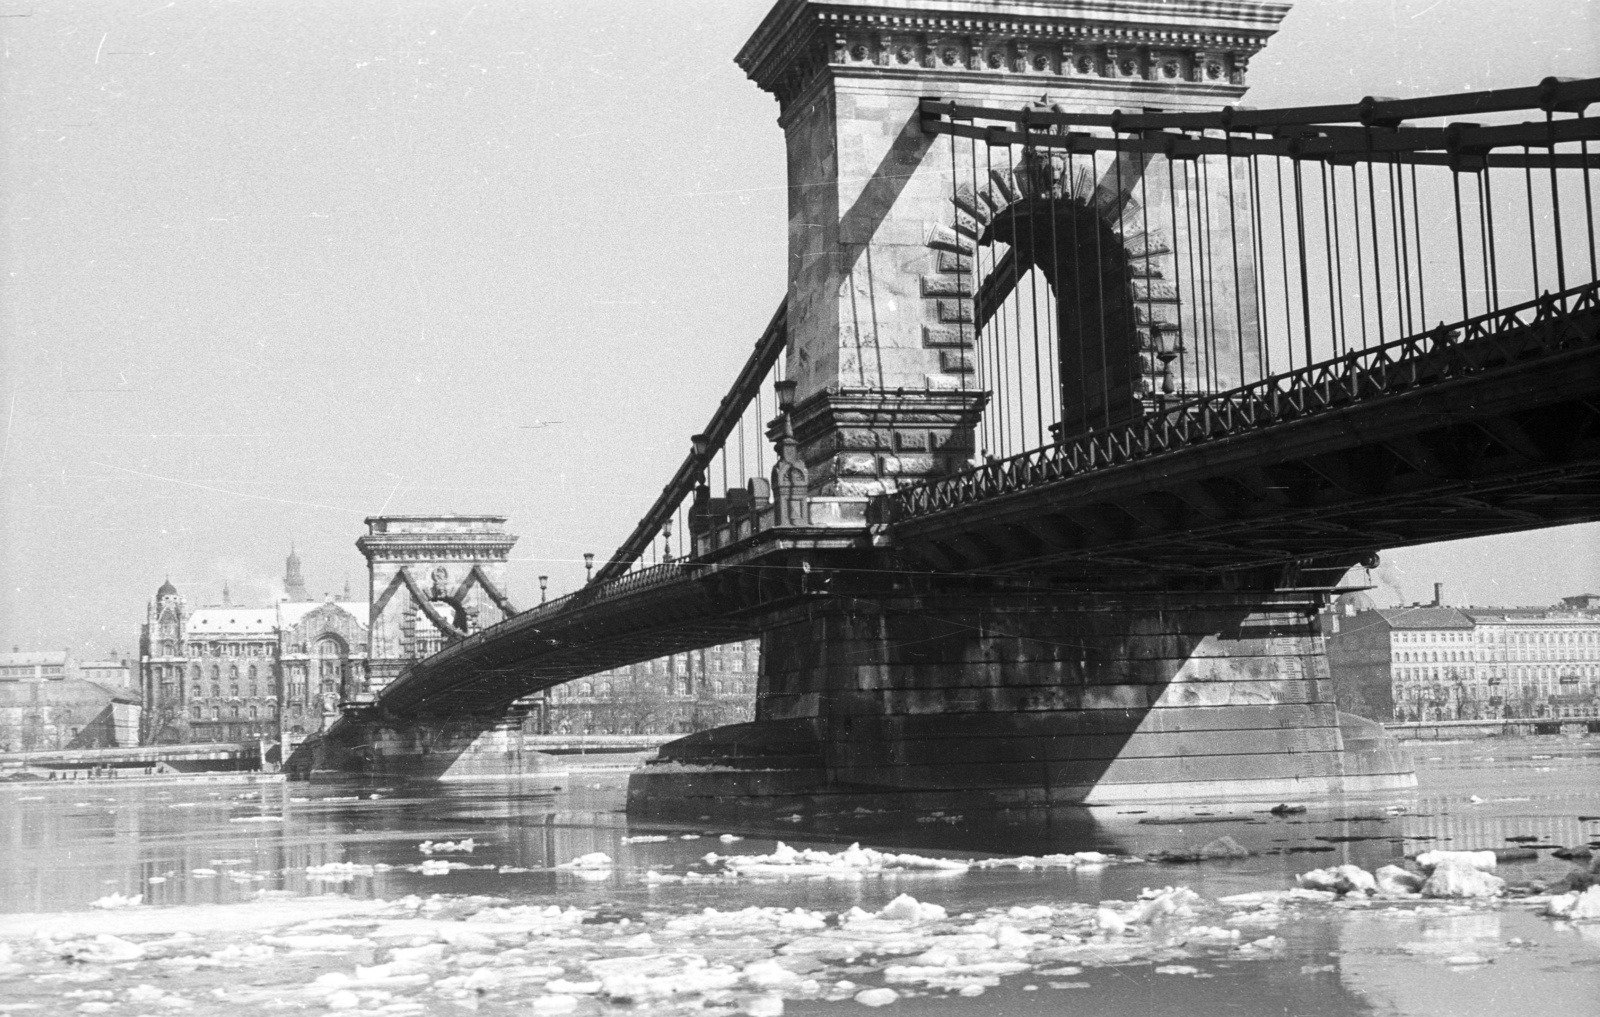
x,y
272,267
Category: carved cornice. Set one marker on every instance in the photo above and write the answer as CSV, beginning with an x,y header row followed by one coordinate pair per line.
x,y
1198,42
410,547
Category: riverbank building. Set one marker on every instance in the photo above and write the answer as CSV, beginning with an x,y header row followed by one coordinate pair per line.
x,y
231,673
1436,662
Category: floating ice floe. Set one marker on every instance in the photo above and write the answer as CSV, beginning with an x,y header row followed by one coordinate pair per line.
x,y
437,954
1340,879
118,900
852,863
1576,906
1457,874
338,872
1076,860
645,838
592,860
440,867
447,847
256,819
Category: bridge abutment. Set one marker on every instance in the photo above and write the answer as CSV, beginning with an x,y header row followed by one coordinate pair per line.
x,y
455,748
1030,700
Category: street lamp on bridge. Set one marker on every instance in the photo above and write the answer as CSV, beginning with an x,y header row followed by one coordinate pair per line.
x,y
588,566
544,585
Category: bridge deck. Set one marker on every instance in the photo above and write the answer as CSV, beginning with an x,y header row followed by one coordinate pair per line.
x,y
1489,426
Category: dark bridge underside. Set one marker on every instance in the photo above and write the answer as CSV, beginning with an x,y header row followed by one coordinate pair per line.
x,y
1512,447
1493,432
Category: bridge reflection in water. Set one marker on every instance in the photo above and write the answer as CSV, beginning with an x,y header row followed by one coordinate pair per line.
x,y
1140,398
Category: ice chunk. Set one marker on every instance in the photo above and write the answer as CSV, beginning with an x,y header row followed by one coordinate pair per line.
x,y
103,949
1076,860
906,908
555,1003
592,861
1224,847
1109,922
729,838
1484,861
768,974
853,862
117,900
1177,969
1575,906
876,997
338,872
768,1004
445,847
1340,879
1392,879
1459,880
645,838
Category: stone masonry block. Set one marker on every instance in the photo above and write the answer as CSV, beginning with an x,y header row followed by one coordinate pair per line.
x,y
956,362
947,335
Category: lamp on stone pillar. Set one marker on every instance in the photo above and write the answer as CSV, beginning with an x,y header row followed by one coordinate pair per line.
x,y
790,478
544,585
700,508
588,566
666,537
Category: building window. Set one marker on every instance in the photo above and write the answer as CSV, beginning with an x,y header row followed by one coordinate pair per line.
x,y
233,711
195,711
216,691
233,690
233,672
251,672
216,673
216,713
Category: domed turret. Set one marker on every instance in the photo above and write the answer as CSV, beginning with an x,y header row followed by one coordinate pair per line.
x,y
166,590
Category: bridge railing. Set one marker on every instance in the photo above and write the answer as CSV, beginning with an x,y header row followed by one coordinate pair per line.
x,y
1514,334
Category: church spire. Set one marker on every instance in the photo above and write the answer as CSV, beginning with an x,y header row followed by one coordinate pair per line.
x,y
294,584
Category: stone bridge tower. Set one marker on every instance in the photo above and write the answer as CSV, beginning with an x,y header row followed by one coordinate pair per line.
x,y
945,690
880,260
431,580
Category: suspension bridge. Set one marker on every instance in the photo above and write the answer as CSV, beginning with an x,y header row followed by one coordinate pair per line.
x,y
1090,387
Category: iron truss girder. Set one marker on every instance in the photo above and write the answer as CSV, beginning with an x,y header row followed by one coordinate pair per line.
x,y
1420,466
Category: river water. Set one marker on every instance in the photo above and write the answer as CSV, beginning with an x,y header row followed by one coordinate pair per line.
x,y
255,898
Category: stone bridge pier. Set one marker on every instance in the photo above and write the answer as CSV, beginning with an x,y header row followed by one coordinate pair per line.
x,y
1032,700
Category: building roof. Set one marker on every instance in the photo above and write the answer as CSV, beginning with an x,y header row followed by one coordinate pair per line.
x,y
166,590
232,621
1531,616
290,612
1426,618
33,657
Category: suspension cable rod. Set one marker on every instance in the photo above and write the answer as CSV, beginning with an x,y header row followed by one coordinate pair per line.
x,y
723,421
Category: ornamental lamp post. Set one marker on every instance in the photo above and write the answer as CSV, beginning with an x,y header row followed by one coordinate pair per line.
x,y
666,536
588,566
544,585
785,390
